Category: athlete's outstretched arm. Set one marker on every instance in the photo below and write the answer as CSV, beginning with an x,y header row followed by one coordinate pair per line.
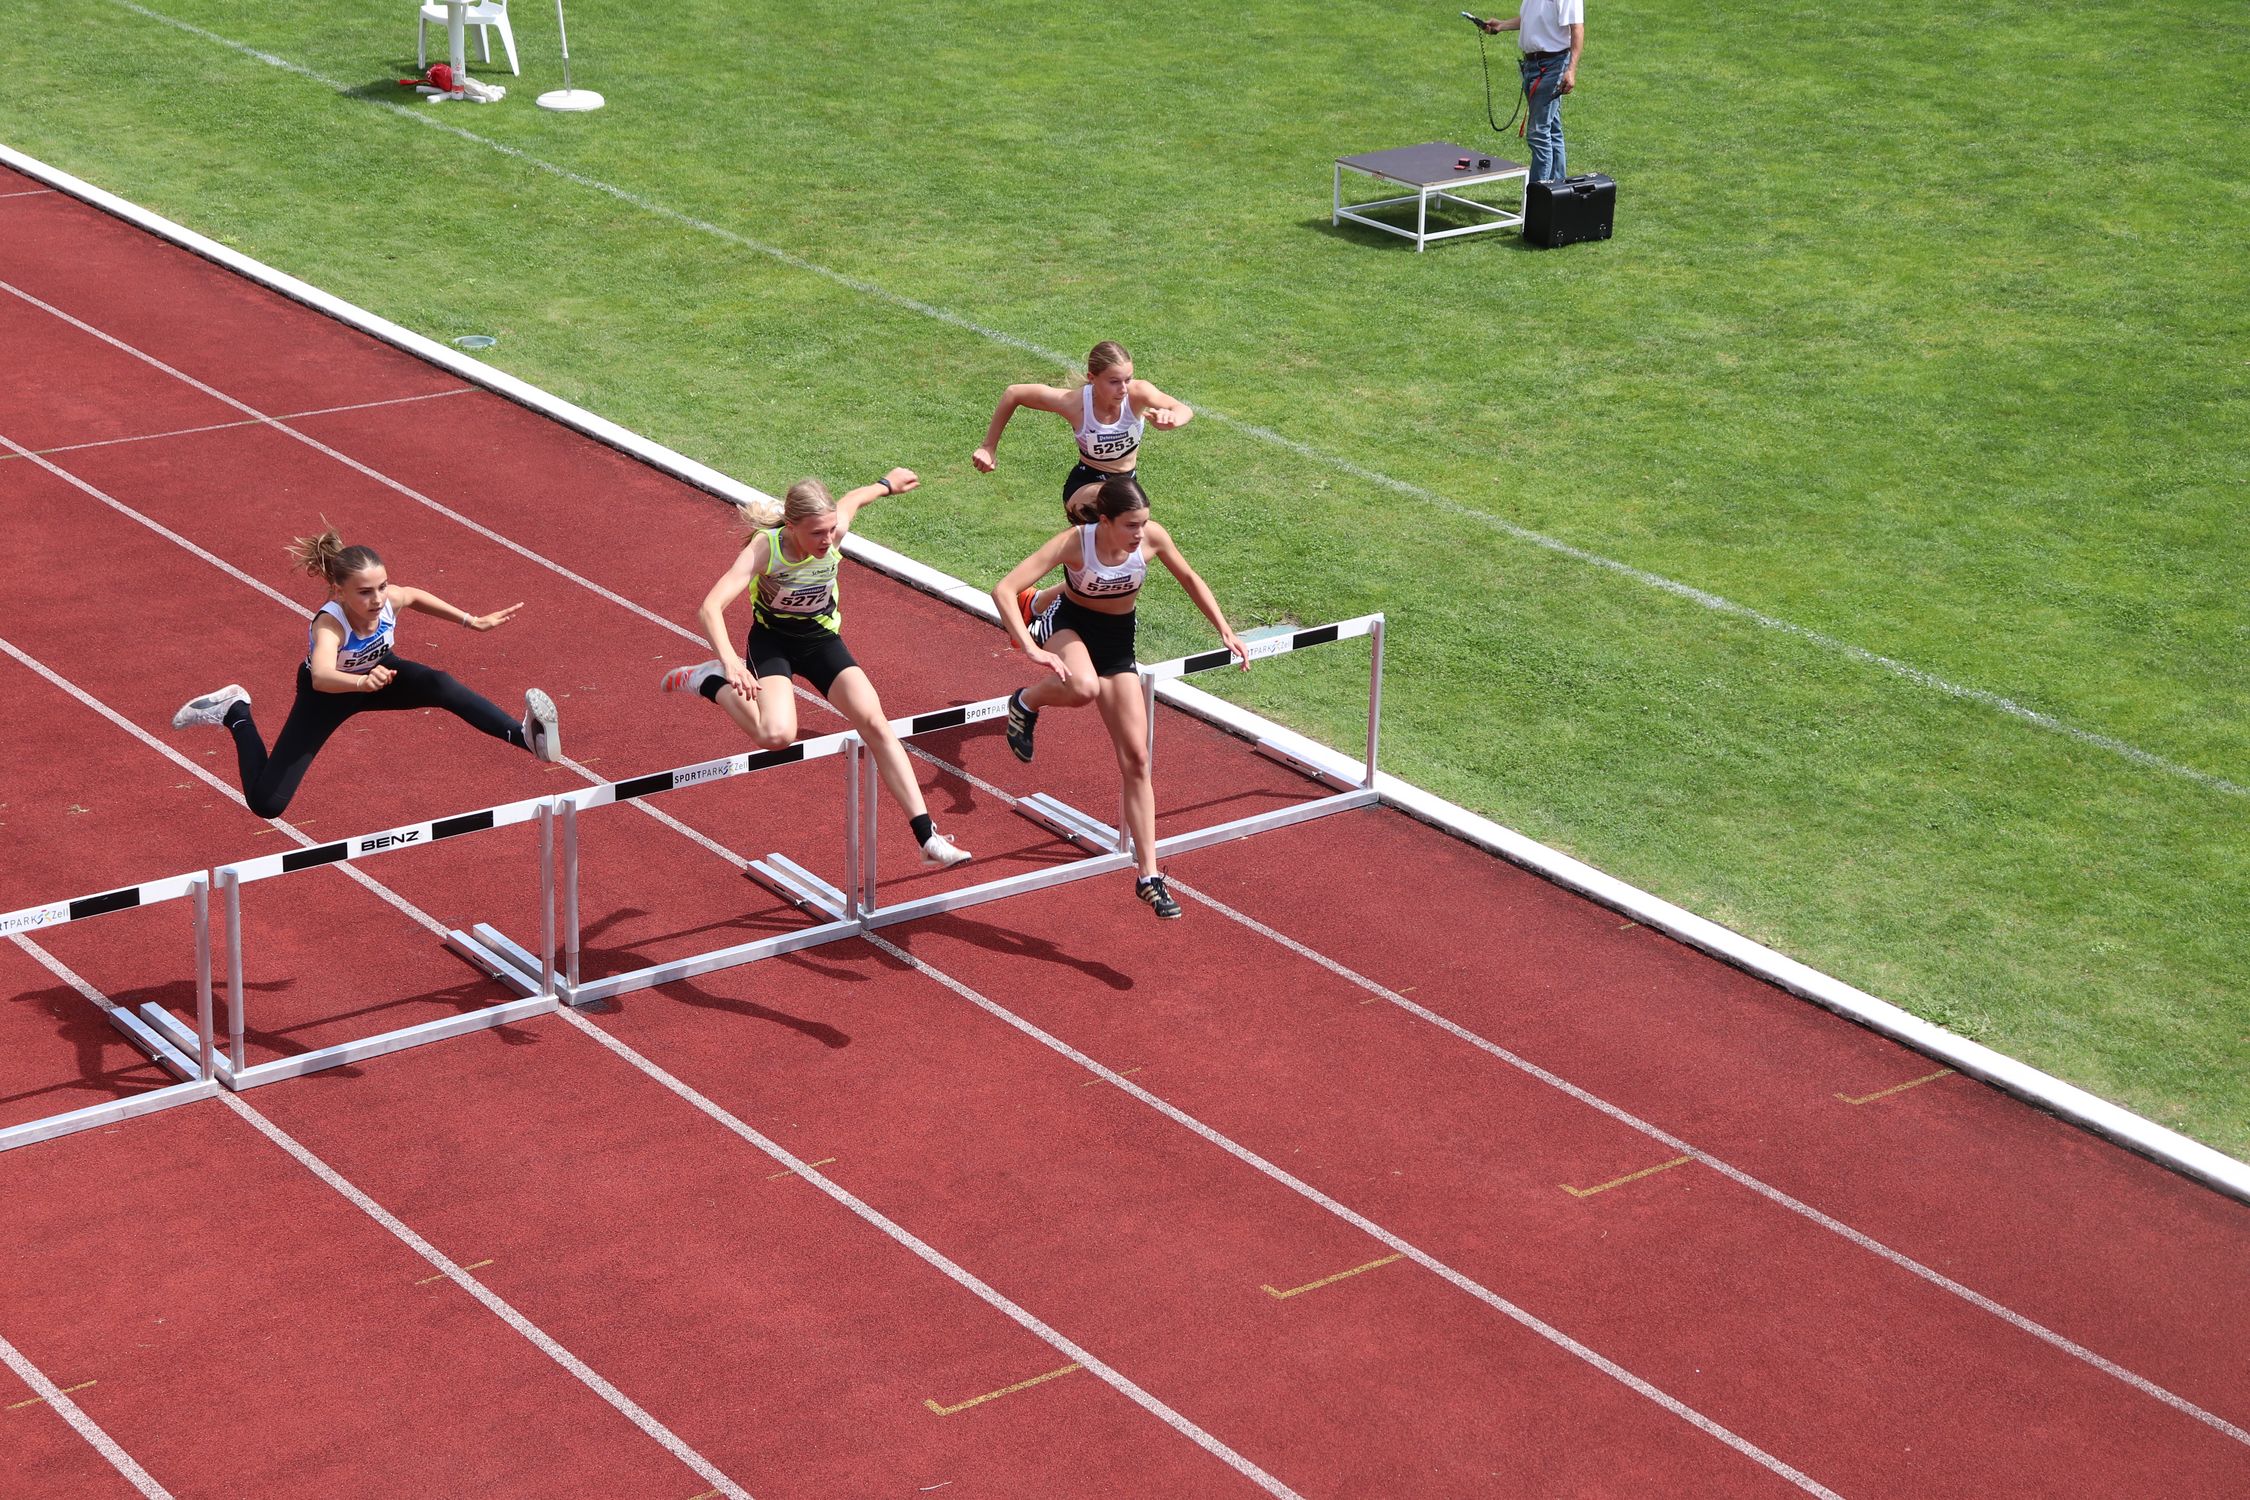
x,y
1023,575
1168,552
1041,397
1162,410
712,615
430,604
897,482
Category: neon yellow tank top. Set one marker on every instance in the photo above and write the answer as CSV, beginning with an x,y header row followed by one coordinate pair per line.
x,y
799,596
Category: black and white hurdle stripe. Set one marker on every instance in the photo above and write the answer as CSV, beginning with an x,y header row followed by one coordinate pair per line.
x,y
124,898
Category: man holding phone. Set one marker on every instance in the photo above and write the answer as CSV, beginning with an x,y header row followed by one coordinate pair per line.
x,y
1552,33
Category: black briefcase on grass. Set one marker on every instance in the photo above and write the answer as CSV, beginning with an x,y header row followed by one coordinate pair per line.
x,y
1563,213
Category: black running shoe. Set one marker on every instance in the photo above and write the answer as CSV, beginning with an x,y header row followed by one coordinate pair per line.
x,y
1151,888
1022,722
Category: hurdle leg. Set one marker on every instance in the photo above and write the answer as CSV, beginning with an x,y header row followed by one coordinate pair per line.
x,y
205,1045
871,803
233,886
547,900
570,894
858,839
1374,700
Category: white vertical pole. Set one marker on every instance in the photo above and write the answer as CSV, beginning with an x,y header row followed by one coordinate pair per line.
x,y
203,1031
855,831
1374,702
233,884
570,893
547,899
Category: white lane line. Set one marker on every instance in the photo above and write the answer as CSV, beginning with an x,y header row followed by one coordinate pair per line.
x,y
1023,1317
2019,1320
318,411
345,459
1765,1190
214,782
1556,545
990,1295
85,1426
498,1306
1365,1225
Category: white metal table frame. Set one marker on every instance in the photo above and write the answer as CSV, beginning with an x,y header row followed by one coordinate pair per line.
x,y
1421,234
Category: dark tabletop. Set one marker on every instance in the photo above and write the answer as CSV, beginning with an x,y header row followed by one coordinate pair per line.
x,y
1430,164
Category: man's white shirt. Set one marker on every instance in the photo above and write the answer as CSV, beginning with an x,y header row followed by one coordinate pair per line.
x,y
1545,24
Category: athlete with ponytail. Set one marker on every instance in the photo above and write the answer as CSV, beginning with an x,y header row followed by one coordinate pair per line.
x,y
350,668
789,569
1086,641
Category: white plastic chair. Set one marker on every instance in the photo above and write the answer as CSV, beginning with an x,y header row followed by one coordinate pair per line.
x,y
485,15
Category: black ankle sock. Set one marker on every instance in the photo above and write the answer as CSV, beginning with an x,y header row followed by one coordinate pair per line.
x,y
925,828
237,711
515,738
710,689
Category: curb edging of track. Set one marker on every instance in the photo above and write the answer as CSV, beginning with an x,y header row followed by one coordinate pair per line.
x,y
2168,1147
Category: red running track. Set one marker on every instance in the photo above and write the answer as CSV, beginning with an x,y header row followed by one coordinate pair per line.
x,y
1525,1200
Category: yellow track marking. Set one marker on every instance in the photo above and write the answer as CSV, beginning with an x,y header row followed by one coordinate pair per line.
x,y
1896,1088
440,1276
1021,1385
1277,1294
1662,1166
792,1172
34,1401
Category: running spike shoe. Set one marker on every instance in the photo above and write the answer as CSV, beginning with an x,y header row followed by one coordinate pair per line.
x,y
211,708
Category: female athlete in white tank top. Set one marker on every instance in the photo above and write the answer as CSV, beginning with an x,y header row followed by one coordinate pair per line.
x,y
1087,651
1107,444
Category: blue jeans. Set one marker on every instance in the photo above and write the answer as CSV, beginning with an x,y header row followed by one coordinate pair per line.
x,y
1542,84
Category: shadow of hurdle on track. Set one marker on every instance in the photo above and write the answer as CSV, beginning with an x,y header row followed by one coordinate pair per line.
x,y
688,992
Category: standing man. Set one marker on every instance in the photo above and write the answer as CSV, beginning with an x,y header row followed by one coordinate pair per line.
x,y
1552,33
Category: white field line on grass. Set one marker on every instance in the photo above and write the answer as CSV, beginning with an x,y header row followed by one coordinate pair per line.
x,y
1772,1193
927,1253
85,1426
983,1290
1725,1169
2169,1147
1694,595
319,411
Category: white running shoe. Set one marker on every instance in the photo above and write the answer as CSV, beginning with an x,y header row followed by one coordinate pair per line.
x,y
942,853
542,726
691,679
211,708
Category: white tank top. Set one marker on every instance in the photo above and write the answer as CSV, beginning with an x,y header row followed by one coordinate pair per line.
x,y
359,654
1091,580
1107,441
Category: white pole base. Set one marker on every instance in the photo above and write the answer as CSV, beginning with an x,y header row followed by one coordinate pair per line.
x,y
570,99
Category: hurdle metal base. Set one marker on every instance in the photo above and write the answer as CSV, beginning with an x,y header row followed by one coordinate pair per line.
x,y
1060,817
95,1116
489,939
359,1050
800,887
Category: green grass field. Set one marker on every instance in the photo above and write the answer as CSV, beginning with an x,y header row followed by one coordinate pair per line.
x,y
1924,337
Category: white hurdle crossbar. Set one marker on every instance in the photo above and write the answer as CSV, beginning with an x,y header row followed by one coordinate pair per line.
x,y
1109,848
186,1054
856,908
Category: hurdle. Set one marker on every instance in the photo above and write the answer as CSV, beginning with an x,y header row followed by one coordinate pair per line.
x,y
233,1068
188,1055
506,960
856,909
